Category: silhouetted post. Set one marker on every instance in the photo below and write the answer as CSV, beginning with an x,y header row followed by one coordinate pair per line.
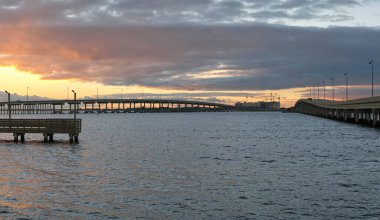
x,y
324,90
310,93
318,89
372,63
332,80
27,93
75,110
9,107
346,75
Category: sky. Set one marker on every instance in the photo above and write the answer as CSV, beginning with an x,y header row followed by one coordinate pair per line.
x,y
219,50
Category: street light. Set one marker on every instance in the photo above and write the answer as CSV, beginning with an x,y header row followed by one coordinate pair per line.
x,y
310,94
9,106
332,80
372,63
318,90
75,109
324,90
346,75
27,93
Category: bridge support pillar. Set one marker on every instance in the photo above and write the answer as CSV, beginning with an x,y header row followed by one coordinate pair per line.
x,y
374,118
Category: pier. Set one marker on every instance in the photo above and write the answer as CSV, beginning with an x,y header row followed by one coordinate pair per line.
x,y
47,127
113,106
364,111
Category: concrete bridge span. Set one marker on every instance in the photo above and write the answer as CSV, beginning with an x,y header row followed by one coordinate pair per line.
x,y
113,106
360,111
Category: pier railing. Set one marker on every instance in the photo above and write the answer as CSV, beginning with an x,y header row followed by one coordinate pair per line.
x,y
48,127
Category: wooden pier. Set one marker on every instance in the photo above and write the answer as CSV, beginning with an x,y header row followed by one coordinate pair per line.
x,y
47,127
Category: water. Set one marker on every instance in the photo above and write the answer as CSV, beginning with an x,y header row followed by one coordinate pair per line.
x,y
195,166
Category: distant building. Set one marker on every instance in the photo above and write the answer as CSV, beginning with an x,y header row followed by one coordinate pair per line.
x,y
259,105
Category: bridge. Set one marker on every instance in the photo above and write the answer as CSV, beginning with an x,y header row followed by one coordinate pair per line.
x,y
113,106
364,111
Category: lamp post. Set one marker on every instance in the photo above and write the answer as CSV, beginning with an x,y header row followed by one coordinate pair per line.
x,y
97,93
332,80
346,75
27,93
318,90
324,90
372,63
310,93
9,106
75,109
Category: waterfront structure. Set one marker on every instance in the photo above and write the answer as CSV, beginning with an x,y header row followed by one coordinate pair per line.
x,y
360,111
113,106
263,106
46,127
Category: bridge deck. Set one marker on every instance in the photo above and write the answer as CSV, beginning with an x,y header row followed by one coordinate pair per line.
x,y
364,111
48,127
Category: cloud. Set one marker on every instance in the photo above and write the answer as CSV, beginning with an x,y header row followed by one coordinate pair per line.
x,y
188,44
193,57
140,12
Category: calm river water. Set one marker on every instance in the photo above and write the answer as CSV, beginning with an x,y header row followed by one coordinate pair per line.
x,y
195,166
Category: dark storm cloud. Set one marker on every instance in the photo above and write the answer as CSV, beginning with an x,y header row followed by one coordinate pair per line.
x,y
222,57
187,44
140,12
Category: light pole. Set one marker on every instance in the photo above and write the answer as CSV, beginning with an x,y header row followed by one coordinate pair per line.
x,y
75,109
310,93
9,107
346,75
324,90
332,80
97,93
372,63
318,90
27,93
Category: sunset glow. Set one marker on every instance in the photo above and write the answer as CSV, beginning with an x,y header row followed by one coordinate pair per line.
x,y
100,48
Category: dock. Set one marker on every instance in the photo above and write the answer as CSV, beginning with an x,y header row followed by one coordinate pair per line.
x,y
46,127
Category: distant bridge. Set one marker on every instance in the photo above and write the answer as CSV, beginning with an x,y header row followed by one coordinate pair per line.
x,y
360,111
114,106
